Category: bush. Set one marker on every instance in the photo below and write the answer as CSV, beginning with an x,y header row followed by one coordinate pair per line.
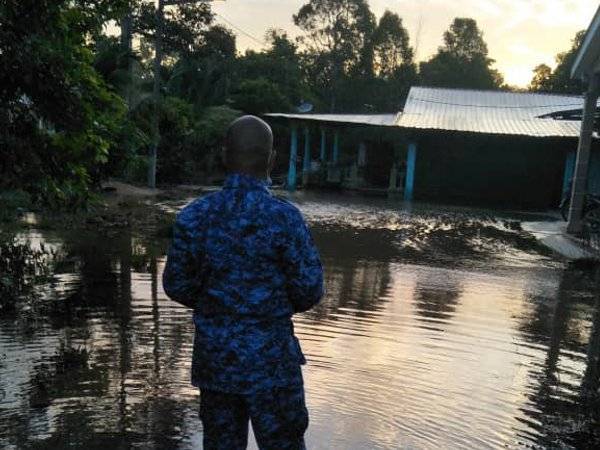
x,y
190,143
260,96
209,135
59,119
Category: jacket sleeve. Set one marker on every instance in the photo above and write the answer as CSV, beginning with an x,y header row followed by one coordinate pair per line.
x,y
182,277
302,266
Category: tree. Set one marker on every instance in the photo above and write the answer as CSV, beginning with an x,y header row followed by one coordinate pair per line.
x,y
59,118
184,25
559,80
337,34
260,96
462,61
465,40
394,68
542,77
204,76
391,46
191,141
280,65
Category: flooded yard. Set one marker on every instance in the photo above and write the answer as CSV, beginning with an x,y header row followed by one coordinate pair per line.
x,y
441,327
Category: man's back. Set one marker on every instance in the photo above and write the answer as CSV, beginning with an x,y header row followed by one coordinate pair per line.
x,y
245,261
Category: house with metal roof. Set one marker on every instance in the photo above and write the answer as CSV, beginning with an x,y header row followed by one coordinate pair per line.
x,y
489,147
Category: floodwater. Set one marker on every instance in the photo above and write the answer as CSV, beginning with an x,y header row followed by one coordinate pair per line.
x,y
441,328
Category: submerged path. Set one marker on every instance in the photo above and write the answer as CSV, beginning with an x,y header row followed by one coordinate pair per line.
x,y
441,327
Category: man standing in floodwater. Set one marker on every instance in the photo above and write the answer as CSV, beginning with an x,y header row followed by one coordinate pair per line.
x,y
245,261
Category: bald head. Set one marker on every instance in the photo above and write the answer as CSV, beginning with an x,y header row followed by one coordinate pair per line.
x,y
249,146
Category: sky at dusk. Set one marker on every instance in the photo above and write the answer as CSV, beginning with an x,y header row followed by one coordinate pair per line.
x,y
520,33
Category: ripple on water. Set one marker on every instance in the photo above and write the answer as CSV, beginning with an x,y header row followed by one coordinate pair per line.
x,y
446,328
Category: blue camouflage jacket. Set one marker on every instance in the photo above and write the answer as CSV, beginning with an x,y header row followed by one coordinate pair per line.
x,y
245,261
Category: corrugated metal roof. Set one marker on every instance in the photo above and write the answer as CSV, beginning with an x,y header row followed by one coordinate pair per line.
x,y
382,120
472,111
488,112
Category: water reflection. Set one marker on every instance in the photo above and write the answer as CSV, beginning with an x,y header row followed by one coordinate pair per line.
x,y
563,405
437,297
355,285
453,331
591,378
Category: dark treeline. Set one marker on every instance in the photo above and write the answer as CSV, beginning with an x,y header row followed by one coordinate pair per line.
x,y
76,103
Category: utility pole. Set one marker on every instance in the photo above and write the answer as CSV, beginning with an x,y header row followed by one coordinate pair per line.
x,y
158,56
127,47
580,177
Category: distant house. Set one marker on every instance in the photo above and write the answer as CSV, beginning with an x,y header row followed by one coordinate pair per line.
x,y
452,145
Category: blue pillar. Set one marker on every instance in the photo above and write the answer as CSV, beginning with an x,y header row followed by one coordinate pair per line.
x,y
569,171
411,162
336,146
306,164
291,178
323,144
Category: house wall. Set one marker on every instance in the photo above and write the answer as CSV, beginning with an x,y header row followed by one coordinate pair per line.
x,y
490,170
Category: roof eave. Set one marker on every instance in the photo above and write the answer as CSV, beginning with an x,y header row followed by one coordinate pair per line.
x,y
587,56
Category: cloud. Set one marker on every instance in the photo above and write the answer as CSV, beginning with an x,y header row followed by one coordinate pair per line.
x,y
548,13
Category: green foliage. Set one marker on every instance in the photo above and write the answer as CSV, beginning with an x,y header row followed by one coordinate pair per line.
x,y
183,29
204,77
353,63
76,106
260,96
59,117
212,125
176,128
462,62
280,65
393,69
190,141
542,78
209,136
337,39
391,46
559,80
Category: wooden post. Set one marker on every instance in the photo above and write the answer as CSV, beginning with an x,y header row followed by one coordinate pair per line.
x,y
411,163
579,190
291,178
306,163
323,144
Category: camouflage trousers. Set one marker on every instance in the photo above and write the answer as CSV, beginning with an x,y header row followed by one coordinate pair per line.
x,y
279,419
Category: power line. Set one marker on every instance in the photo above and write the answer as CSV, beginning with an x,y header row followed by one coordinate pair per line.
x,y
230,23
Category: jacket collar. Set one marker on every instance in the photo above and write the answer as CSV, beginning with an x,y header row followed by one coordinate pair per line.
x,y
247,182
